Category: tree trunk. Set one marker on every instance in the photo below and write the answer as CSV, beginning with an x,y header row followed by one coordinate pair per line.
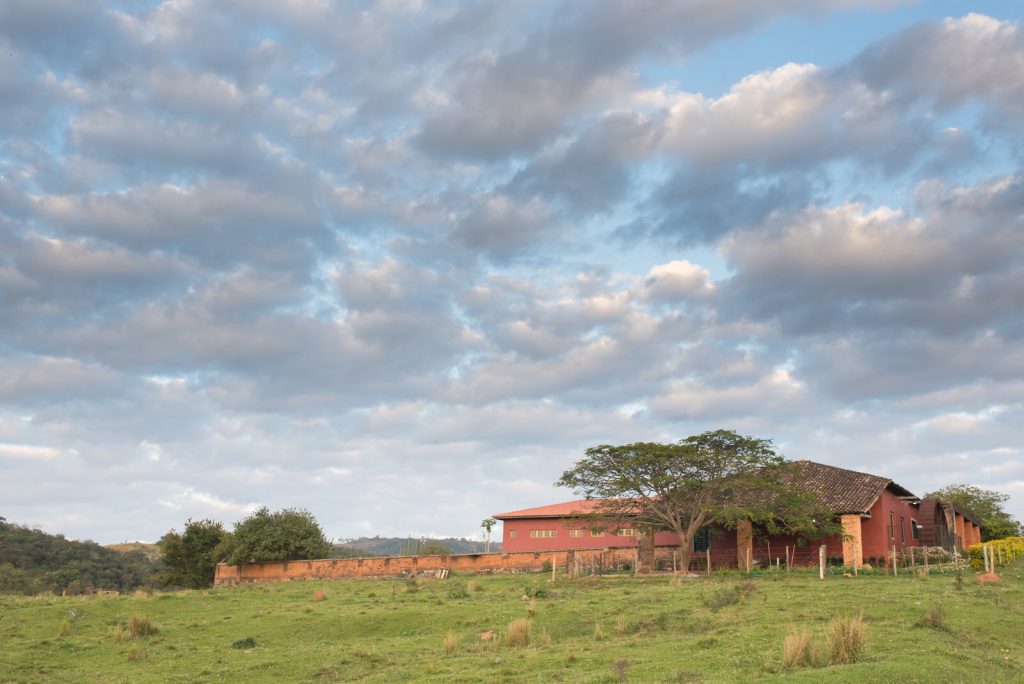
x,y
685,552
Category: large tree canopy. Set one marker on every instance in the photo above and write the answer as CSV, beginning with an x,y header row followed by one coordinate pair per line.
x,y
288,534
190,557
714,477
985,506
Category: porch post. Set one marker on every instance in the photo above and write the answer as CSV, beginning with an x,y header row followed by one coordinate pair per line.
x,y
853,543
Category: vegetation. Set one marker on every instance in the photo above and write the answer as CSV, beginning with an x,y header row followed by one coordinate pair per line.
x,y
288,534
715,477
190,558
657,629
985,506
404,546
32,561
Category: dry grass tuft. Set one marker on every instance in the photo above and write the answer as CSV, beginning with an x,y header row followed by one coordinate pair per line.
x,y
598,632
133,652
620,668
65,627
798,650
620,624
451,642
531,609
140,626
935,618
845,638
518,632
120,634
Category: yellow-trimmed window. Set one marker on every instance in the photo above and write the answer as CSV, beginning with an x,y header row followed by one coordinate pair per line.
x,y
575,533
542,534
625,532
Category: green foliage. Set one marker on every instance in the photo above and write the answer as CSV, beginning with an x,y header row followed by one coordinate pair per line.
x,y
246,643
190,558
434,548
288,534
984,506
32,561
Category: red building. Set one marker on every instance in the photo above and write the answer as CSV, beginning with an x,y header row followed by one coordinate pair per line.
x,y
876,515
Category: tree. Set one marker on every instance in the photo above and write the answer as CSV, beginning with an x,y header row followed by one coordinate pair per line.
x,y
190,558
716,477
984,506
288,534
488,524
433,547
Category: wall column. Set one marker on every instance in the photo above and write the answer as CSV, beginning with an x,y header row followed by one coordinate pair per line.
x,y
853,541
645,558
744,544
959,529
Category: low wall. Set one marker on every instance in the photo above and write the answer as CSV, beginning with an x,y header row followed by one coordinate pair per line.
x,y
399,566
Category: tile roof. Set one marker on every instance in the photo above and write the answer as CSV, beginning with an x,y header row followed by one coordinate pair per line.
x,y
842,490
558,510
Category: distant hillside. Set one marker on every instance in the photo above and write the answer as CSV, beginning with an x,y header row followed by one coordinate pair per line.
x,y
150,551
32,561
401,546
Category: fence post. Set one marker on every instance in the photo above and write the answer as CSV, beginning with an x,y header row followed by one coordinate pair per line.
x,y
984,556
821,562
895,569
708,551
926,569
787,558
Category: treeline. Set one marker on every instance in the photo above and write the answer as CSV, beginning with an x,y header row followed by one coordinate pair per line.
x,y
32,561
408,546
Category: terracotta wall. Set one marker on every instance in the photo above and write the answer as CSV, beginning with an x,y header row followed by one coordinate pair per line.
x,y
878,538
563,539
410,565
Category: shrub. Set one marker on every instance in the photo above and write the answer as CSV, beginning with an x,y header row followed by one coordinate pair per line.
x,y
458,591
247,642
845,638
798,650
518,632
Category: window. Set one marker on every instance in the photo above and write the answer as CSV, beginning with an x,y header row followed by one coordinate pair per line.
x,y
512,534
915,531
575,533
892,527
702,540
542,534
596,533
626,532
903,530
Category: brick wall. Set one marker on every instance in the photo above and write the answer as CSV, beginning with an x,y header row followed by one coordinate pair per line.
x,y
411,565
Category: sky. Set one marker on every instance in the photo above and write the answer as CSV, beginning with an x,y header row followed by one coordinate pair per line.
x,y
401,262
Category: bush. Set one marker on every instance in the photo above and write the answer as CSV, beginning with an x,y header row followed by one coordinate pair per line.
x,y
845,638
247,642
935,618
140,626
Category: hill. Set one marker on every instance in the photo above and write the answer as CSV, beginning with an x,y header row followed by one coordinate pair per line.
x,y
32,561
150,551
408,546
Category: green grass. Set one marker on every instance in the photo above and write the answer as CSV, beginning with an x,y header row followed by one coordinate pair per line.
x,y
654,629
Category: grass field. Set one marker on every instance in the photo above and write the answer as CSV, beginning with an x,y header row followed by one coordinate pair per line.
x,y
654,629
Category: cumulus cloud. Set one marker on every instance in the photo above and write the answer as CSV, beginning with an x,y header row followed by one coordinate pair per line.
x,y
281,253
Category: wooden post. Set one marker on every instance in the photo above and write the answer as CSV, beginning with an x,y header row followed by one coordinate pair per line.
x,y
984,555
855,563
674,570
750,559
554,566
821,561
787,557
768,542
895,570
926,569
913,553
709,561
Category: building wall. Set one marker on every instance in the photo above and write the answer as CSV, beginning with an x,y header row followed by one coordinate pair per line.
x,y
562,539
878,539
